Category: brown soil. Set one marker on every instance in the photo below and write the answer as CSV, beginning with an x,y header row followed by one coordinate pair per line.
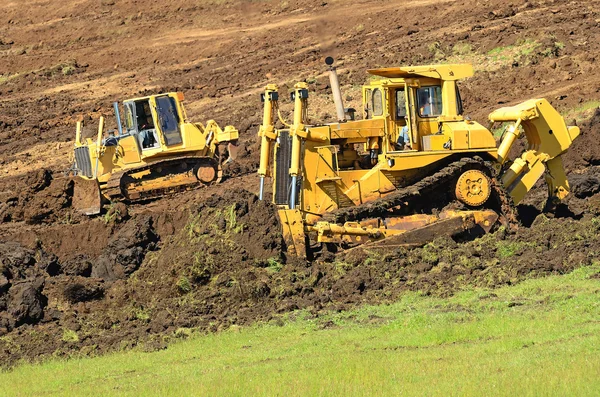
x,y
211,258
226,266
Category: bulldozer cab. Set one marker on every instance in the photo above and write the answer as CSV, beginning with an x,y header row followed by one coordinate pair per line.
x,y
415,103
155,121
390,102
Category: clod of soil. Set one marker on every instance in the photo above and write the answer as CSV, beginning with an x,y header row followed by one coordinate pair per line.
x,y
83,290
126,250
22,278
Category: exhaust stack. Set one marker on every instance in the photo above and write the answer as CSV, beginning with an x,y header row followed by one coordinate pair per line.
x,y
335,88
118,116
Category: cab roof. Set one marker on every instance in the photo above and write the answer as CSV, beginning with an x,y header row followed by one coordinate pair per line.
x,y
143,98
444,72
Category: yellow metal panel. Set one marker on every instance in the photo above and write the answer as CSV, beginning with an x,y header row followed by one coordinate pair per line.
x,y
481,139
527,179
460,140
544,127
449,98
228,134
318,134
426,127
293,231
193,136
358,129
556,178
130,150
434,142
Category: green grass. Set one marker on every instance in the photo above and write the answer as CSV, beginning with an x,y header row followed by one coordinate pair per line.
x,y
4,78
540,337
581,112
494,59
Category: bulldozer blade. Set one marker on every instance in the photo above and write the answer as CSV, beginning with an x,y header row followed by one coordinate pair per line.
x,y
233,150
293,232
451,224
86,196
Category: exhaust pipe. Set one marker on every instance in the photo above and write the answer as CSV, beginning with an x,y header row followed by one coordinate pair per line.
x,y
98,144
335,88
78,133
118,116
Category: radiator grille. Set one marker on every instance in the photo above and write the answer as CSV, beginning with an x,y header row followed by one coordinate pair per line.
x,y
83,162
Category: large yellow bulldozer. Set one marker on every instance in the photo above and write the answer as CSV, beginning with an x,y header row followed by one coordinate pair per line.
x,y
155,151
413,168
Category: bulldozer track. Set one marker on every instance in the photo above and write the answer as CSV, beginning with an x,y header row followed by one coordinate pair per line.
x,y
114,188
423,196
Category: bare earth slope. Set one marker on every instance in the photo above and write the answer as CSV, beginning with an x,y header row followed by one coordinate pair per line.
x,y
93,285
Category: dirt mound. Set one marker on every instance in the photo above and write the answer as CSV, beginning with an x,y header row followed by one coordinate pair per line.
x,y
585,151
37,198
22,275
225,267
443,266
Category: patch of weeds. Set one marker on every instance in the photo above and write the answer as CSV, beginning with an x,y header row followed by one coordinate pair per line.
x,y
183,285
192,227
273,265
230,216
65,68
231,219
70,336
429,254
495,58
231,283
200,271
462,49
183,333
142,314
5,78
553,50
341,268
369,261
112,214
507,249
68,70
68,219
581,112
435,49
109,216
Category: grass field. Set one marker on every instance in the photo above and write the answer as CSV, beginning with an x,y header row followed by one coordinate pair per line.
x,y
541,337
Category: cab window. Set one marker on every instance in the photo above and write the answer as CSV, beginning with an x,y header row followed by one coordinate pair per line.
x,y
429,101
168,119
129,117
145,125
459,104
377,102
400,105
369,103
143,116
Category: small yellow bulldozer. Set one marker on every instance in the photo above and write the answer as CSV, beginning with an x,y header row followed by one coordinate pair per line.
x,y
413,168
155,151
